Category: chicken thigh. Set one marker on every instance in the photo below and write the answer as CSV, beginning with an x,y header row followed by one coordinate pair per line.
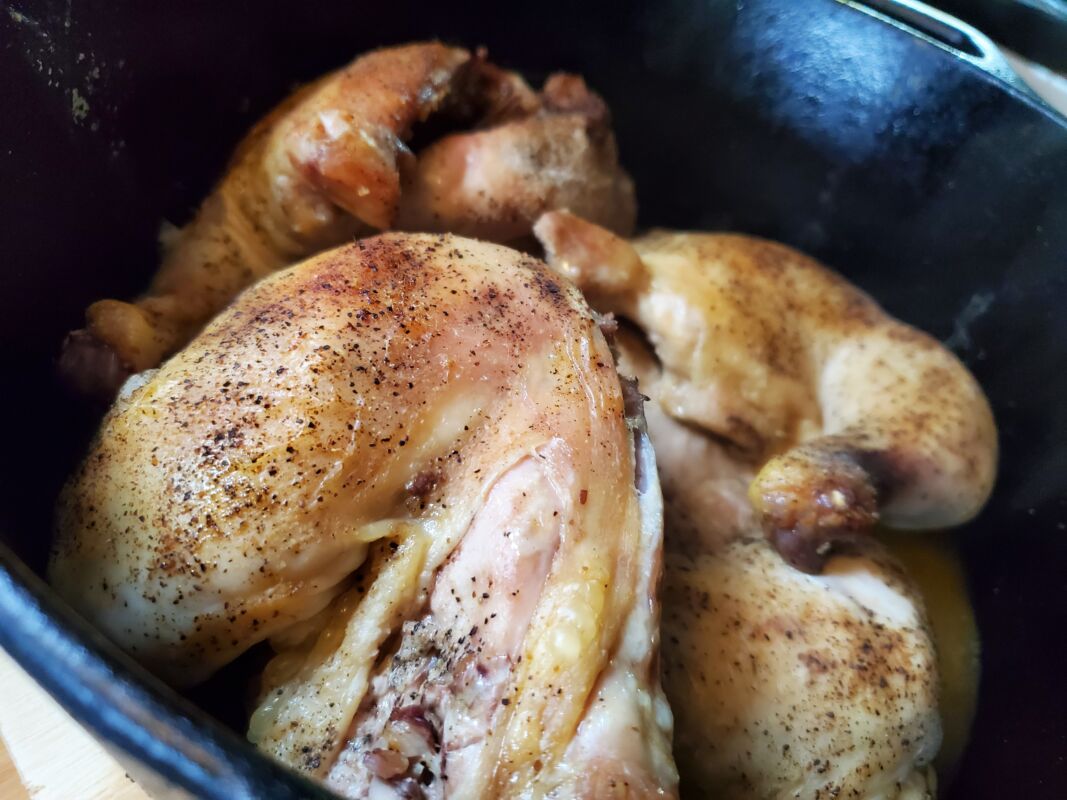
x,y
409,462
332,162
787,684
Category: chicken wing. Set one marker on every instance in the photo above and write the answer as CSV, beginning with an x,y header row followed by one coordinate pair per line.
x,y
863,419
333,161
409,463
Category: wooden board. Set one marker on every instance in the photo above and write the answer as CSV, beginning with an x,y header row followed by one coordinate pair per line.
x,y
46,755
1050,85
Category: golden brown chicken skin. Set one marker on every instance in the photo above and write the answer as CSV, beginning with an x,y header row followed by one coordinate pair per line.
x,y
856,417
409,463
494,183
783,683
333,161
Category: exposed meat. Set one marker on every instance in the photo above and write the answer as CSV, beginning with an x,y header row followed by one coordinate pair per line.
x,y
333,161
408,463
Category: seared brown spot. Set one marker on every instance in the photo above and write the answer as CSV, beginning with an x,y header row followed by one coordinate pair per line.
x,y
424,482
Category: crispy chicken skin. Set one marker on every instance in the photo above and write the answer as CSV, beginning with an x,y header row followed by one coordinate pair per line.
x,y
332,161
856,417
409,463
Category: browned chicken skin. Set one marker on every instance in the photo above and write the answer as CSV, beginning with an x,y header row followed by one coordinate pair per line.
x,y
332,161
785,683
858,417
782,683
494,183
410,464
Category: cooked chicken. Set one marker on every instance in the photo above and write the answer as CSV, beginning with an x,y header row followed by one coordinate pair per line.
x,y
786,684
494,183
408,462
863,419
332,161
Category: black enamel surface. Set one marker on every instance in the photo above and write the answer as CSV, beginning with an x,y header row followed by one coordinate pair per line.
x,y
939,189
1035,28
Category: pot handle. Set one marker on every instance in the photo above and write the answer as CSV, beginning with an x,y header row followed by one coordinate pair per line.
x,y
949,33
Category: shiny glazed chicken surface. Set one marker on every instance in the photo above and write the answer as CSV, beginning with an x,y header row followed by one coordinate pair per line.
x,y
408,462
787,684
332,161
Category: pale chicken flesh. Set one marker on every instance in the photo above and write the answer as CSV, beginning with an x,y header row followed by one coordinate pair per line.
x,y
409,463
333,161
786,684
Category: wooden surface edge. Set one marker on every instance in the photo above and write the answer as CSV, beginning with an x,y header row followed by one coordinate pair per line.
x,y
45,754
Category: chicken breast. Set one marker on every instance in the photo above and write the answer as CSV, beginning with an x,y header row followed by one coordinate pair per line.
x,y
333,161
409,462
787,684
783,684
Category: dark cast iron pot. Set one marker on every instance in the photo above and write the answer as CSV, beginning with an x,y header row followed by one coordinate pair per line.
x,y
894,146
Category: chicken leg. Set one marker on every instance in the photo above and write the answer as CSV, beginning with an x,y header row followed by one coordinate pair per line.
x,y
410,464
332,162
